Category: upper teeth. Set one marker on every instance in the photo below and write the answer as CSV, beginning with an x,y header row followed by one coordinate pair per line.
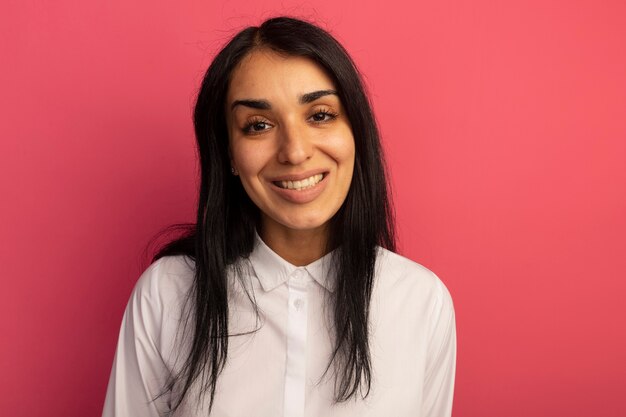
x,y
302,184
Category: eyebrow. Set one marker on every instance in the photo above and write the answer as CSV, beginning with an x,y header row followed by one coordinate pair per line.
x,y
310,97
255,104
265,105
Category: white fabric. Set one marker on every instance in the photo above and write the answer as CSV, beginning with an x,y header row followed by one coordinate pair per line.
x,y
275,371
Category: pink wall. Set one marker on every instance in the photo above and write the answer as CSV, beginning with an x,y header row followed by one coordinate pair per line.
x,y
505,126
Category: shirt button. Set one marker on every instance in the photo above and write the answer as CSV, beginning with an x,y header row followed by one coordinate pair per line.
x,y
298,304
299,274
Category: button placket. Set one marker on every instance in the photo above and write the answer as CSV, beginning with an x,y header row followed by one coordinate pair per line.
x,y
295,372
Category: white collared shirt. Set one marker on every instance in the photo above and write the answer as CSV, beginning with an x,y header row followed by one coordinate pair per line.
x,y
277,370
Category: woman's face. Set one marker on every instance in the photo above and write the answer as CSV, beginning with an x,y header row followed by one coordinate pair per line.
x,y
290,140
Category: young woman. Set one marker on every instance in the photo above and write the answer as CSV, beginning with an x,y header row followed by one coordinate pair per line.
x,y
285,298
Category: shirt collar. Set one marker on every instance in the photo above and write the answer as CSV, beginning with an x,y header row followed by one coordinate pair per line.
x,y
272,270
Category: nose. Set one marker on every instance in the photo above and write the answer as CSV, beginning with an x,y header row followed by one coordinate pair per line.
x,y
295,146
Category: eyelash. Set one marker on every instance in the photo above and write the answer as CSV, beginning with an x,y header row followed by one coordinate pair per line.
x,y
250,124
326,113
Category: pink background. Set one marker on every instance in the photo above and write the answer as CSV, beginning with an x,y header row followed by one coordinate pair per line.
x,y
505,128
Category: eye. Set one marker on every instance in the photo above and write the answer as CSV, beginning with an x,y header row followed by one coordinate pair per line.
x,y
256,126
323,116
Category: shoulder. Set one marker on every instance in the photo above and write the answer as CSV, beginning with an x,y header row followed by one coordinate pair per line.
x,y
165,280
397,274
157,302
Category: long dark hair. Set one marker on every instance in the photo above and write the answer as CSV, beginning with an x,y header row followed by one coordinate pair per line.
x,y
227,218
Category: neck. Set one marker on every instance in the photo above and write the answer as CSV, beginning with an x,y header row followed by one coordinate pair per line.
x,y
298,247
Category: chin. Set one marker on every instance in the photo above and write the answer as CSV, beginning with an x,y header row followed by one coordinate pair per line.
x,y
306,225
302,222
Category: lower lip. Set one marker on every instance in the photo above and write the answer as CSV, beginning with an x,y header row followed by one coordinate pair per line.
x,y
302,196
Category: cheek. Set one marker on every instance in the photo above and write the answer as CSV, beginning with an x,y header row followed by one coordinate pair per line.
x,y
342,148
337,141
244,157
250,159
348,153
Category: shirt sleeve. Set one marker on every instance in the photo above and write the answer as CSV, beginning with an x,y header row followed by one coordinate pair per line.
x,y
441,360
139,372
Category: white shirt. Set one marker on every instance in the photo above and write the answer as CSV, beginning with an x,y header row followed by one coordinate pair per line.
x,y
274,372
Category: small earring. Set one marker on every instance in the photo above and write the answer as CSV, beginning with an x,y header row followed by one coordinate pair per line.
x,y
234,171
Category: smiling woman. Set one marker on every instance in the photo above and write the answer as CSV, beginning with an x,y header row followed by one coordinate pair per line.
x,y
286,298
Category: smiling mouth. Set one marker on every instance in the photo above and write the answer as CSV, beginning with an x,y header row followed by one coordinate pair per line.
x,y
300,185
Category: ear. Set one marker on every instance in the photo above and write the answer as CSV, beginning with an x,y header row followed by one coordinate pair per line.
x,y
233,166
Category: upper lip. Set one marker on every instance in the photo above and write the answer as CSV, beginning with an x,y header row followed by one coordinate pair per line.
x,y
298,177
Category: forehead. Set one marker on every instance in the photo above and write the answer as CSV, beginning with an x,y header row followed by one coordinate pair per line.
x,y
265,74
